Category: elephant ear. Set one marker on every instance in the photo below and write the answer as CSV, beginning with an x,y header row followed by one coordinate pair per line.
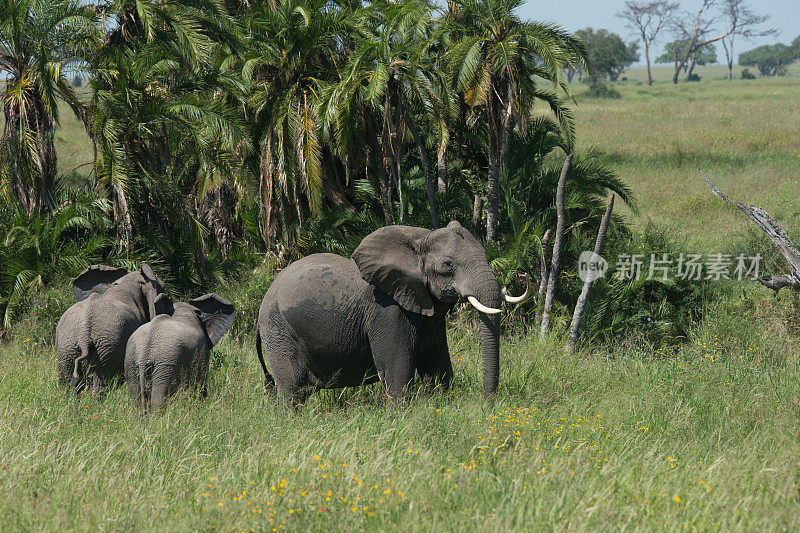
x,y
153,287
390,259
216,313
95,278
163,305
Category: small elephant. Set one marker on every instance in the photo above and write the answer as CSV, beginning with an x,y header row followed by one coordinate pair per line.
x,y
329,322
92,334
174,348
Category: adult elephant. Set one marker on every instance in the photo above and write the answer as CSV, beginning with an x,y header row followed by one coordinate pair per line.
x,y
329,322
92,334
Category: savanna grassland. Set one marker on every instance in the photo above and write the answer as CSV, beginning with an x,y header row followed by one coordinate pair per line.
x,y
702,434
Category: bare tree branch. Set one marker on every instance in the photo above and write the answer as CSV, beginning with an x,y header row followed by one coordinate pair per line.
x,y
698,29
735,14
775,232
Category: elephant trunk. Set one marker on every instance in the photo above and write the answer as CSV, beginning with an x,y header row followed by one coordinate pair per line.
x,y
487,291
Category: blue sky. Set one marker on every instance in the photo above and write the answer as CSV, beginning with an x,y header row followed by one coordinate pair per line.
x,y
578,14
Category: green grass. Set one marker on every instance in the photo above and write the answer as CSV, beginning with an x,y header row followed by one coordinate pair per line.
x,y
744,134
703,435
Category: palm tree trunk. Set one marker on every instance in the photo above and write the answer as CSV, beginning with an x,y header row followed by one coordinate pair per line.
x,y
265,191
45,158
580,305
559,238
543,273
441,168
477,211
122,214
34,179
423,157
506,124
493,182
386,189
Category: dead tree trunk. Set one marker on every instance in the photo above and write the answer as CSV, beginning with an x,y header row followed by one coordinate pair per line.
x,y
580,306
554,264
543,271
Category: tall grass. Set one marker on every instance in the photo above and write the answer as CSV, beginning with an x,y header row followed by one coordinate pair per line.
x,y
703,436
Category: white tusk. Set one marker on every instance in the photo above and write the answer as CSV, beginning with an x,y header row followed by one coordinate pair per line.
x,y
518,299
482,308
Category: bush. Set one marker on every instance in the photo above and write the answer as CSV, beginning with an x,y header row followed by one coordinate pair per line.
x,y
694,77
747,75
245,292
662,312
601,90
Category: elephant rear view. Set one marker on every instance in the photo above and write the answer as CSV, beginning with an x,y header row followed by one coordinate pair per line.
x,y
92,334
328,321
174,349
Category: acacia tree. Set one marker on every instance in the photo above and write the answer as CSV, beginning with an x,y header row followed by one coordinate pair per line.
x,y
675,50
41,41
698,29
770,59
647,19
494,62
736,14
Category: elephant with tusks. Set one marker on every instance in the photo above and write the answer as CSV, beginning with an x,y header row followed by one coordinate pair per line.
x,y
330,322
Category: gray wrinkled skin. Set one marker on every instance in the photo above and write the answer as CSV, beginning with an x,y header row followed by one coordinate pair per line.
x,y
174,349
92,334
330,322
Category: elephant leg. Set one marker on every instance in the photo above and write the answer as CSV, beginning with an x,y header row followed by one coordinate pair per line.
x,y
65,364
433,365
101,378
134,384
394,361
291,379
269,381
162,385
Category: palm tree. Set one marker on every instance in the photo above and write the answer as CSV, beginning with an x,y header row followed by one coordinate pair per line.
x,y
41,44
292,52
392,74
495,60
38,249
160,109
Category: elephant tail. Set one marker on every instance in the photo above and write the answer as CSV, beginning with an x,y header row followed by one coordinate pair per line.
x,y
81,363
269,381
145,371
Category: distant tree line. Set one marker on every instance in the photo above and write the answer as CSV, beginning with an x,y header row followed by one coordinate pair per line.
x,y
695,31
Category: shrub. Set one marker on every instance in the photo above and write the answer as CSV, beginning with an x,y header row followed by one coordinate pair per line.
x,y
660,311
747,75
601,90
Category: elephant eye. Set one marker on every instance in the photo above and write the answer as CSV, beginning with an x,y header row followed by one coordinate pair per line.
x,y
447,264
